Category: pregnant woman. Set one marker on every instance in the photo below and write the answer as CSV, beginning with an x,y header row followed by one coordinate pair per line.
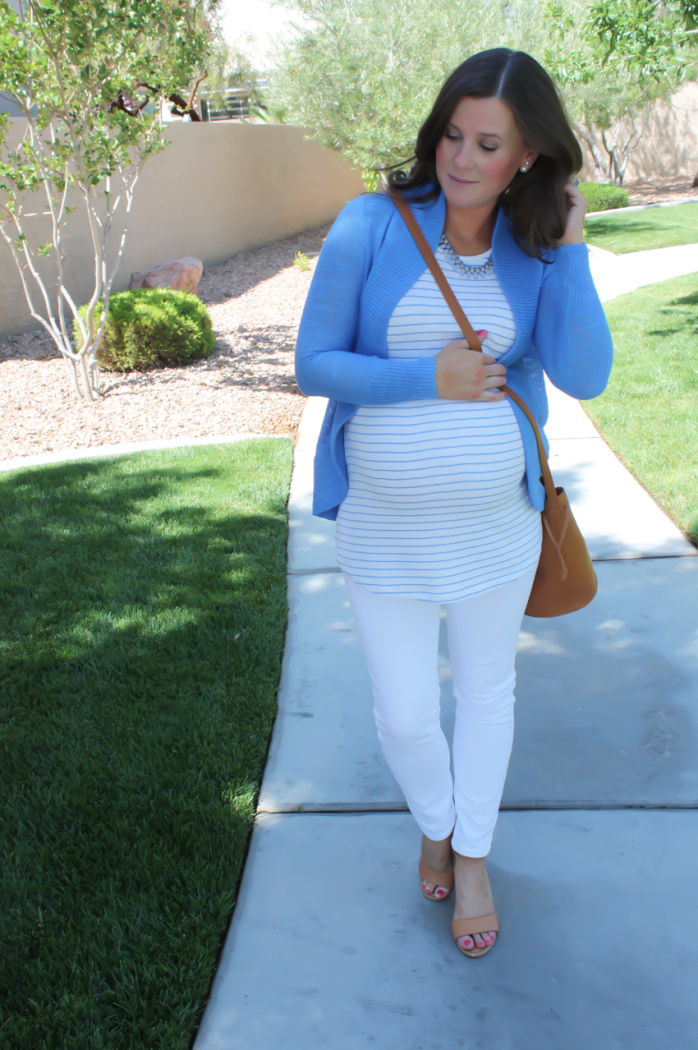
x,y
430,470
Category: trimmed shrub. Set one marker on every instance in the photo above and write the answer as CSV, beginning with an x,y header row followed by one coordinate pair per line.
x,y
602,196
153,328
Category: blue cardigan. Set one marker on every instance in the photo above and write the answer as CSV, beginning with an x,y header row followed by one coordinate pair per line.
x,y
369,261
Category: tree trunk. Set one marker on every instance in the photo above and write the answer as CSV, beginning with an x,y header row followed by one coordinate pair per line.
x,y
70,366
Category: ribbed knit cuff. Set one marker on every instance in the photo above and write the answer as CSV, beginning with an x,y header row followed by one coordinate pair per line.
x,y
403,380
574,276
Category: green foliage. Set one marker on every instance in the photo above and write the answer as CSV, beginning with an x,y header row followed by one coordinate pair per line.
x,y
231,67
602,196
71,59
371,180
688,10
142,616
643,38
605,92
364,75
81,73
302,261
151,328
648,412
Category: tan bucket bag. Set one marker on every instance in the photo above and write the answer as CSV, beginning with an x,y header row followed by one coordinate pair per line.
x,y
565,579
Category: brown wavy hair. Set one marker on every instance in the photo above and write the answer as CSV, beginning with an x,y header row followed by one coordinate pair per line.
x,y
535,201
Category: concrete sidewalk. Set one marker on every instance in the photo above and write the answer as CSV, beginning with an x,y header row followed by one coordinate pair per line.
x,y
617,274
593,863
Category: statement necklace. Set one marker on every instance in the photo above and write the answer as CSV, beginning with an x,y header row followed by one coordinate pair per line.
x,y
475,273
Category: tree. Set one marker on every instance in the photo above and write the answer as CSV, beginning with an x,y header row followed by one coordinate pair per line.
x,y
366,72
613,59
650,43
230,67
89,77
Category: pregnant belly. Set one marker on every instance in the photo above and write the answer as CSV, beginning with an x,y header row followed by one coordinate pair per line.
x,y
429,454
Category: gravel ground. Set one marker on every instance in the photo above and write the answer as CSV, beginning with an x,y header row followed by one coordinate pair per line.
x,y
662,188
246,386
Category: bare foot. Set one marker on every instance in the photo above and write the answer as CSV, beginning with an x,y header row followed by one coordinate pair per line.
x,y
438,855
473,898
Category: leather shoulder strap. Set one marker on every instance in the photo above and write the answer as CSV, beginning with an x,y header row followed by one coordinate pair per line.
x,y
470,336
437,273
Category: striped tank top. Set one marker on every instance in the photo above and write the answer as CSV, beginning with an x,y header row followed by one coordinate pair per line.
x,y
438,507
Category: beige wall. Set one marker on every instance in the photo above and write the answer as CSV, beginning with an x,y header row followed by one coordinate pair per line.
x,y
669,144
223,187
219,189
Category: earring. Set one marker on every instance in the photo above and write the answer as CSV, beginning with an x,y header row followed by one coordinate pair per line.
x,y
524,168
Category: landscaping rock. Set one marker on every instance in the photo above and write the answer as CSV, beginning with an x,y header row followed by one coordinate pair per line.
x,y
182,275
247,385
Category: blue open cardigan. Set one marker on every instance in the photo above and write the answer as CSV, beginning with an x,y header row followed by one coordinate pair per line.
x,y
369,261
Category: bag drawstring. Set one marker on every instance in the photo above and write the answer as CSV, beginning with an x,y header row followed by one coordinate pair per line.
x,y
556,545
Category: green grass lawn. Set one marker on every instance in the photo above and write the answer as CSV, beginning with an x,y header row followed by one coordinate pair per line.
x,y
649,412
639,230
143,611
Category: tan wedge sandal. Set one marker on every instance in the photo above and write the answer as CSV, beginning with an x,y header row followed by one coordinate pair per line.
x,y
446,880
467,927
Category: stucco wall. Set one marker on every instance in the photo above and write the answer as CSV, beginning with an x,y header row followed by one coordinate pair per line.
x,y
217,190
223,187
669,143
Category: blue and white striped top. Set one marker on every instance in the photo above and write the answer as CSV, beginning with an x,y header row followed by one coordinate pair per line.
x,y
437,506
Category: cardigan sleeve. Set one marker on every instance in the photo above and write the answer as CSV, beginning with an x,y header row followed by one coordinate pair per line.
x,y
326,364
571,334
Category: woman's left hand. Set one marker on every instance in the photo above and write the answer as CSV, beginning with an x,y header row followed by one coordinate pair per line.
x,y
575,216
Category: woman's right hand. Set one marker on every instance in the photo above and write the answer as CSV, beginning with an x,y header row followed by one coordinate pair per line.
x,y
463,374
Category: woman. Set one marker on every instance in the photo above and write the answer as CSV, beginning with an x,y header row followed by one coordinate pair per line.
x,y
429,469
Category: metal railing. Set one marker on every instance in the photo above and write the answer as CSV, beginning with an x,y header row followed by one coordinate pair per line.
x,y
236,104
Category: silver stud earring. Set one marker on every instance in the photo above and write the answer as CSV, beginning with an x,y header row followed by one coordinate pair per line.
x,y
524,168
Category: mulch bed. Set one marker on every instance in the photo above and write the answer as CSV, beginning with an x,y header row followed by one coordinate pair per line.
x,y
661,188
246,386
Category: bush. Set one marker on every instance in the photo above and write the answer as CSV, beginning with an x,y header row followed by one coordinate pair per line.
x,y
153,328
602,196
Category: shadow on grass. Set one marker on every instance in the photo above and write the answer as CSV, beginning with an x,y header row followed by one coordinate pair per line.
x,y
693,531
143,608
686,300
625,225
626,234
685,321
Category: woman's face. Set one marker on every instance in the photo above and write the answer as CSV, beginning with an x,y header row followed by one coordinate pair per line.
x,y
480,152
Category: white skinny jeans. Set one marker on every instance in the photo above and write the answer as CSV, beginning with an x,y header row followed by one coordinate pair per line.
x,y
400,638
